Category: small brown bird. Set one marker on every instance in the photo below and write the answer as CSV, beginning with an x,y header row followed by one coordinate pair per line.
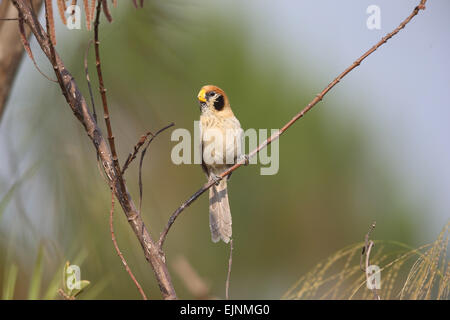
x,y
220,134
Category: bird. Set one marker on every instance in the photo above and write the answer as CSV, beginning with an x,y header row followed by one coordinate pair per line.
x,y
221,137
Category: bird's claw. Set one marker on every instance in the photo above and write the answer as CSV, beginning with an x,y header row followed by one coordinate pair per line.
x,y
216,179
244,158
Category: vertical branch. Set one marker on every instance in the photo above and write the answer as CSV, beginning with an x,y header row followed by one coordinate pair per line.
x,y
50,20
112,145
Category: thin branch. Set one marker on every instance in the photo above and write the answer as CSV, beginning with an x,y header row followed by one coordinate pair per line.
x,y
299,115
230,263
106,10
142,160
102,89
119,253
27,47
366,245
86,71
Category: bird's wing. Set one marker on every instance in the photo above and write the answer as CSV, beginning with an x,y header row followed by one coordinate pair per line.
x,y
204,167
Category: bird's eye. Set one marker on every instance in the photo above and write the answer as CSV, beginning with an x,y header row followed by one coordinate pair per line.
x,y
211,93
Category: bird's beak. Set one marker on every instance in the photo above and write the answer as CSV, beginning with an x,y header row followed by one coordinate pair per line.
x,y
202,96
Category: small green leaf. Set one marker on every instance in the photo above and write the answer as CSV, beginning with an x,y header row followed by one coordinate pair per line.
x,y
82,284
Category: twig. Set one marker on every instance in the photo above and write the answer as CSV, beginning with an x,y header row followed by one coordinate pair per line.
x,y
64,295
50,21
106,10
86,70
368,245
27,47
119,253
62,10
112,145
299,115
132,156
230,263
142,160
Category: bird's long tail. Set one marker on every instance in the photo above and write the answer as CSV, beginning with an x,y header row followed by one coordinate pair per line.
x,y
219,212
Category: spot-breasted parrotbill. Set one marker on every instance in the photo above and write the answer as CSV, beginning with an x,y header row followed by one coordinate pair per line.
x,y
220,134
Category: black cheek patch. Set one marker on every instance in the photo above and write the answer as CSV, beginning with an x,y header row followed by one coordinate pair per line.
x,y
219,103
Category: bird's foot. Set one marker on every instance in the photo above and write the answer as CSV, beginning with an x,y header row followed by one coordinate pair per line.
x,y
215,178
244,158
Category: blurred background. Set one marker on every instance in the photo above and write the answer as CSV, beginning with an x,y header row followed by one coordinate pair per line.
x,y
376,148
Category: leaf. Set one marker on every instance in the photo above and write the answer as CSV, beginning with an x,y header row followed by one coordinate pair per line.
x,y
106,10
92,9
62,9
87,13
26,45
9,282
82,284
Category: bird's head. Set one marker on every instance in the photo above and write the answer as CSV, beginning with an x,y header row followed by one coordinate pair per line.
x,y
213,99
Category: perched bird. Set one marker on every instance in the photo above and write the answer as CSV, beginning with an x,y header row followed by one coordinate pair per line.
x,y
220,134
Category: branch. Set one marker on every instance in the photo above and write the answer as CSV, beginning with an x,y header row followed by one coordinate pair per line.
x,y
299,115
102,89
78,104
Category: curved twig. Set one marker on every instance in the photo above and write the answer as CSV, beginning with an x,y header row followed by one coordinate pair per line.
x,y
142,160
